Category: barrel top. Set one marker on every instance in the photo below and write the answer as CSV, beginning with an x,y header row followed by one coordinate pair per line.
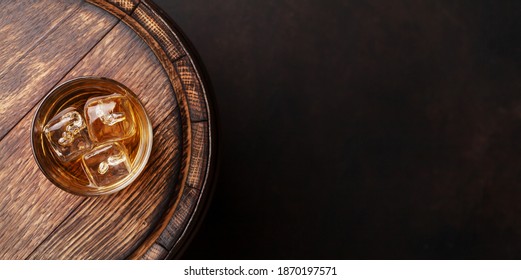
x,y
49,42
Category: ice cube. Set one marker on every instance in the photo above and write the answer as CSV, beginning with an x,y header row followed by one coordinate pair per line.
x,y
67,134
106,164
109,118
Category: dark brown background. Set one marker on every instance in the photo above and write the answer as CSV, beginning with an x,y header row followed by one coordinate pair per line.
x,y
362,129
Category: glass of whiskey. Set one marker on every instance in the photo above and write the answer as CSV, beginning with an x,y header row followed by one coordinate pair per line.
x,y
91,136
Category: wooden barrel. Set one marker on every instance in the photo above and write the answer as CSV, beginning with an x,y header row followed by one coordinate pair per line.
x,y
47,42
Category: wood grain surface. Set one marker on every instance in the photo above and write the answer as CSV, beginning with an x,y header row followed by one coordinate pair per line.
x,y
21,34
128,41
